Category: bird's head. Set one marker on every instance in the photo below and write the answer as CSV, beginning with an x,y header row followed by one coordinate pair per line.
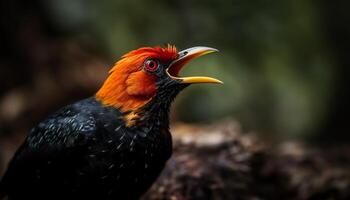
x,y
143,74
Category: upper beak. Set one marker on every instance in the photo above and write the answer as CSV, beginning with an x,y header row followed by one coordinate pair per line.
x,y
184,57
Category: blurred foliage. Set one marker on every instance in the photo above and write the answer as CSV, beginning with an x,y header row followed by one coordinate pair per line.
x,y
272,58
275,58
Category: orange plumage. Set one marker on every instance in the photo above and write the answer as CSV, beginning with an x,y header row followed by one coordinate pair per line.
x,y
128,86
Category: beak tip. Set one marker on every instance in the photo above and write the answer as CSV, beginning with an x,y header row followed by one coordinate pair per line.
x,y
219,82
213,50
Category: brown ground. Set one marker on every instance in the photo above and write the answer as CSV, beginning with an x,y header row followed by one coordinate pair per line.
x,y
217,162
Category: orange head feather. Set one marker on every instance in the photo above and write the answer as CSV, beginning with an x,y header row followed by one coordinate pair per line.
x,y
128,86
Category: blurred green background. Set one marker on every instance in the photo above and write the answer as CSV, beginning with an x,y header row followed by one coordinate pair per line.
x,y
285,64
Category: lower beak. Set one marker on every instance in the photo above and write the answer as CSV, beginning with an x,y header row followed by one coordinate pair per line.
x,y
184,57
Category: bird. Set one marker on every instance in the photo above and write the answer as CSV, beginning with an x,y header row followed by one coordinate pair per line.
x,y
112,145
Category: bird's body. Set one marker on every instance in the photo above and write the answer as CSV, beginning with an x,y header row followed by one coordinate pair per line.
x,y
84,151
109,146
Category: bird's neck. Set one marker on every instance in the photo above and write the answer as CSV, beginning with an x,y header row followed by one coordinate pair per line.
x,y
156,111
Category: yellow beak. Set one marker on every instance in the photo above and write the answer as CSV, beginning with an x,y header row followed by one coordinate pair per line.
x,y
184,57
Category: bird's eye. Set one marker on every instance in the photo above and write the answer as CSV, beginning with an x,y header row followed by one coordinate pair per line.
x,y
151,65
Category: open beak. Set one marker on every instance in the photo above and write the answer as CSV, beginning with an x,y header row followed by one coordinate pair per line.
x,y
184,57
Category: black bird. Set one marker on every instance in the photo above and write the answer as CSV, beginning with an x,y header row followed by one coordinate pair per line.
x,y
109,146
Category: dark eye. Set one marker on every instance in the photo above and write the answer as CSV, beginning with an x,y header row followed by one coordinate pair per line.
x,y
151,65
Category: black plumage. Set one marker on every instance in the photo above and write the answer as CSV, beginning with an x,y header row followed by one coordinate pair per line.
x,y
85,151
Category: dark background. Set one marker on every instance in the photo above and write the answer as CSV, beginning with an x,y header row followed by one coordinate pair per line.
x,y
285,64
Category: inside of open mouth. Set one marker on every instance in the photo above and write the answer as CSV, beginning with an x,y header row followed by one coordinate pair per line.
x,y
176,67
174,70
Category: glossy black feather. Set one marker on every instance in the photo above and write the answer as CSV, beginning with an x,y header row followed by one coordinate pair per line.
x,y
85,151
